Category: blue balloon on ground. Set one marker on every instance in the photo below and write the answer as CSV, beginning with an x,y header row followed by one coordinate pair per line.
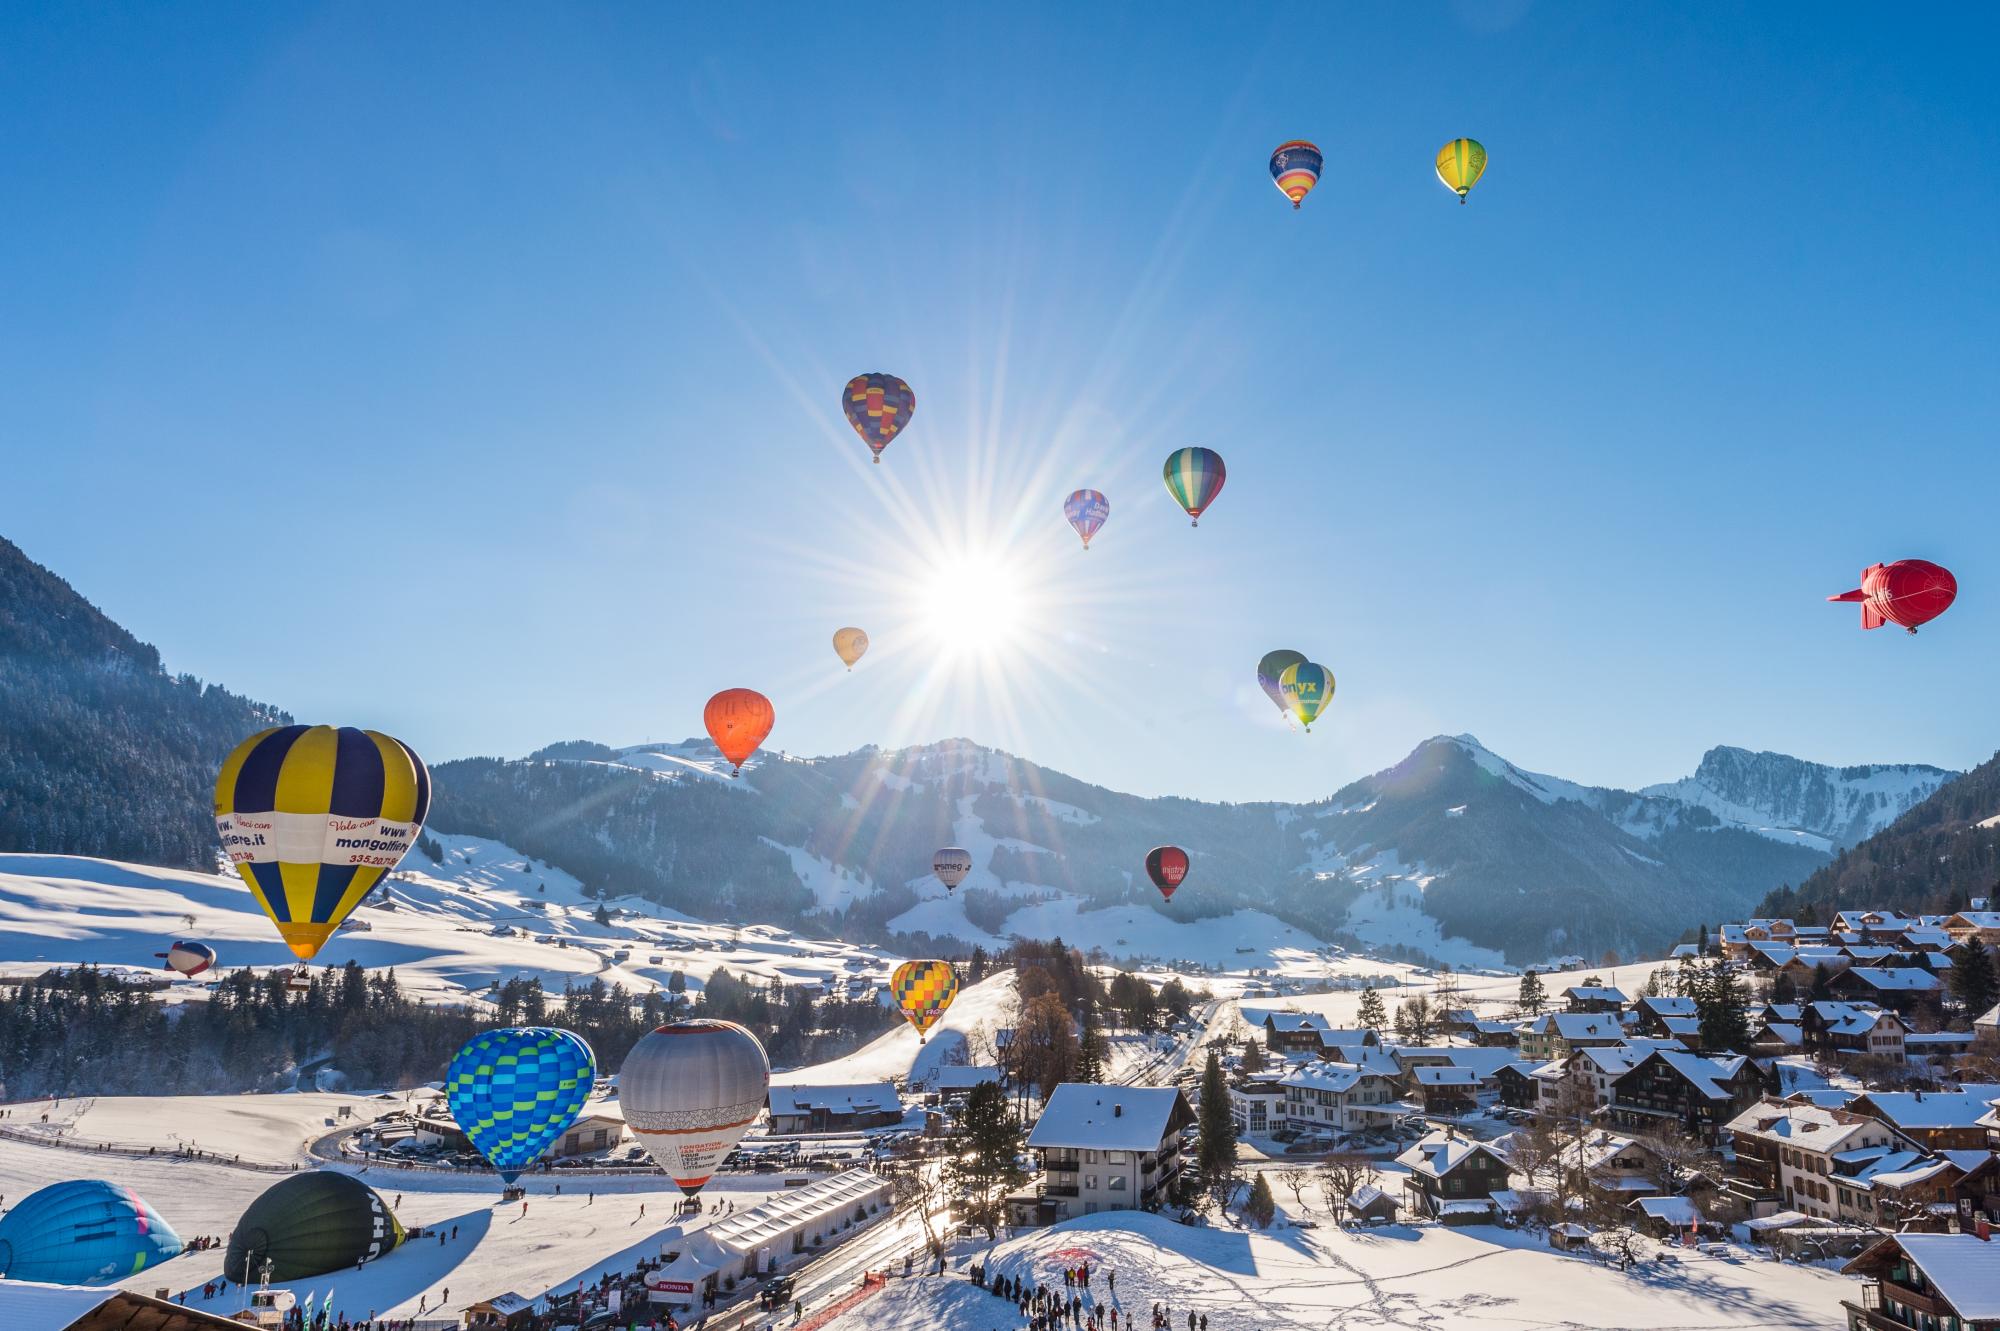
x,y
515,1091
83,1232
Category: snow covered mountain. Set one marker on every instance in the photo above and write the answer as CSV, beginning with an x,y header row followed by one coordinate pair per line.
x,y
1829,808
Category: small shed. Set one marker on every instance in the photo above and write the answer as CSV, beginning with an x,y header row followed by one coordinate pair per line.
x,y
1668,1217
1370,1205
502,1312
1569,1236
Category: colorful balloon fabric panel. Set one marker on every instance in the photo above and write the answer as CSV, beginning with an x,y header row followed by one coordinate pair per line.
x,y
923,990
878,406
1194,477
515,1091
313,817
1307,688
83,1232
1295,169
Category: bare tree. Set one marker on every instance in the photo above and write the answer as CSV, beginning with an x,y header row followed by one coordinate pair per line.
x,y
1687,1163
1621,1244
1341,1175
1295,1181
921,1187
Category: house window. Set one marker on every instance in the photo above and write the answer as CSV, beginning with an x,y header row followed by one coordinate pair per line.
x,y
1118,1183
1090,1157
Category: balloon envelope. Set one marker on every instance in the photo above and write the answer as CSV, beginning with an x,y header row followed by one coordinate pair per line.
x,y
1166,866
690,1091
878,406
1086,511
1295,169
1460,163
1194,478
951,865
83,1232
514,1091
849,644
738,721
310,1224
1273,665
1307,689
313,817
189,958
923,990
1908,593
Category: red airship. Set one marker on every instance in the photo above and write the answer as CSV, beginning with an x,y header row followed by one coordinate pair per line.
x,y
1908,592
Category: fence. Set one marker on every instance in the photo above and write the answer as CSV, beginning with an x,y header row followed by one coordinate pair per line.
x,y
136,1152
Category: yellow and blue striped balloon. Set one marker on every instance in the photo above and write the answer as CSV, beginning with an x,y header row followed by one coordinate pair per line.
x,y
313,817
1307,689
514,1091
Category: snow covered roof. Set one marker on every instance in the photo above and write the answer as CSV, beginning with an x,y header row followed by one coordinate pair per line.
x,y
1613,1060
1680,1026
1989,1019
1850,1018
1784,1011
1368,1195
1576,1025
1684,950
1920,1110
1479,1206
1904,979
1676,1211
742,1231
1598,1148
1810,1126
1900,1169
1327,1075
27,1306
1975,919
1336,1037
1785,1032
962,1076
860,1098
1667,1005
1292,1023
1086,1115
1927,936
1961,1268
1446,1076
1374,1058
1705,1074
1438,1153
1590,993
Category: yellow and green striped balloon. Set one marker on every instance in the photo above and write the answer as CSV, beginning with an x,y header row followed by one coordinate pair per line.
x,y
1460,164
313,817
1307,688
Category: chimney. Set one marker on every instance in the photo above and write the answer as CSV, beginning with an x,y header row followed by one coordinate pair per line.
x,y
1118,1111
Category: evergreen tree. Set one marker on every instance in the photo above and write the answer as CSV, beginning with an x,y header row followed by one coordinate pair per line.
x,y
1532,998
1092,1051
602,914
983,1167
1973,982
1262,1206
1372,1014
1253,1056
677,983
1821,988
1215,1150
1718,1006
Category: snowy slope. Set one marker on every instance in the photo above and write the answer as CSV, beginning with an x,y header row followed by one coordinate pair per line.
x,y
1784,797
963,1035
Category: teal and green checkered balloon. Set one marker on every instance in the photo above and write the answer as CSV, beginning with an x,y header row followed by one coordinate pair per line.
x,y
515,1091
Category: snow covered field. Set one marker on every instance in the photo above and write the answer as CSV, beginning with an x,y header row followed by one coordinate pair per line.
x,y
1475,1279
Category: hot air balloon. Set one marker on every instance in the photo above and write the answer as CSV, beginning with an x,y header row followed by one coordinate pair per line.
x,y
1460,163
1273,665
1194,478
1307,689
923,990
849,645
310,1224
690,1091
514,1091
878,406
83,1232
313,817
188,958
1166,866
1086,511
1295,166
738,720
1908,592
951,865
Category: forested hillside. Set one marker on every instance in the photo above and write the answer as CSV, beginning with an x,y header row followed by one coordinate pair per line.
x,y
102,752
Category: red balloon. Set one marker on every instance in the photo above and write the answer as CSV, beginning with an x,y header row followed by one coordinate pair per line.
x,y
1908,592
738,720
1166,866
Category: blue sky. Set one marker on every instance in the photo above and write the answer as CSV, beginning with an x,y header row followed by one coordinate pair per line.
x,y
472,372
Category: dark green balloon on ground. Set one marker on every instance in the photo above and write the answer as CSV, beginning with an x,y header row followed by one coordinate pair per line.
x,y
308,1225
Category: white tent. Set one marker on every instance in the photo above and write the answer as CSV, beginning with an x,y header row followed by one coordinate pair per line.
x,y
756,1242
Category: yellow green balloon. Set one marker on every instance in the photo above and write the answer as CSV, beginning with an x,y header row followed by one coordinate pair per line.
x,y
1460,164
1307,689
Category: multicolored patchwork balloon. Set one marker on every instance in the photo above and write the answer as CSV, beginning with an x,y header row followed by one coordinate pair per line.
x,y
514,1091
923,990
1086,511
1194,477
878,406
1295,169
313,817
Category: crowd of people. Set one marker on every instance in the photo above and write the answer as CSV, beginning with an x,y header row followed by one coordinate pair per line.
x,y
1076,1306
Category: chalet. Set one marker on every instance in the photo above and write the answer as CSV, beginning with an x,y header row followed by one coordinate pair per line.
x,y
1458,1021
1874,925
1699,1094
1848,1030
1926,1280
1294,1032
1587,1075
1736,940
1935,1120
1494,1034
1103,1148
1775,1039
802,1110
1790,1153
1612,1166
954,1083
1901,989
1334,1041
1594,998
1554,1034
1669,1218
1517,1085
1339,1097
1970,924
1685,951
600,1127
1654,1011
1447,1091
1447,1171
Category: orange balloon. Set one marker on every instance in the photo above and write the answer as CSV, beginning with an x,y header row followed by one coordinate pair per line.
x,y
738,720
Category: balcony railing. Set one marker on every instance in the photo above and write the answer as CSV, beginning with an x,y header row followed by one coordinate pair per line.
x,y
1061,1166
1057,1190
